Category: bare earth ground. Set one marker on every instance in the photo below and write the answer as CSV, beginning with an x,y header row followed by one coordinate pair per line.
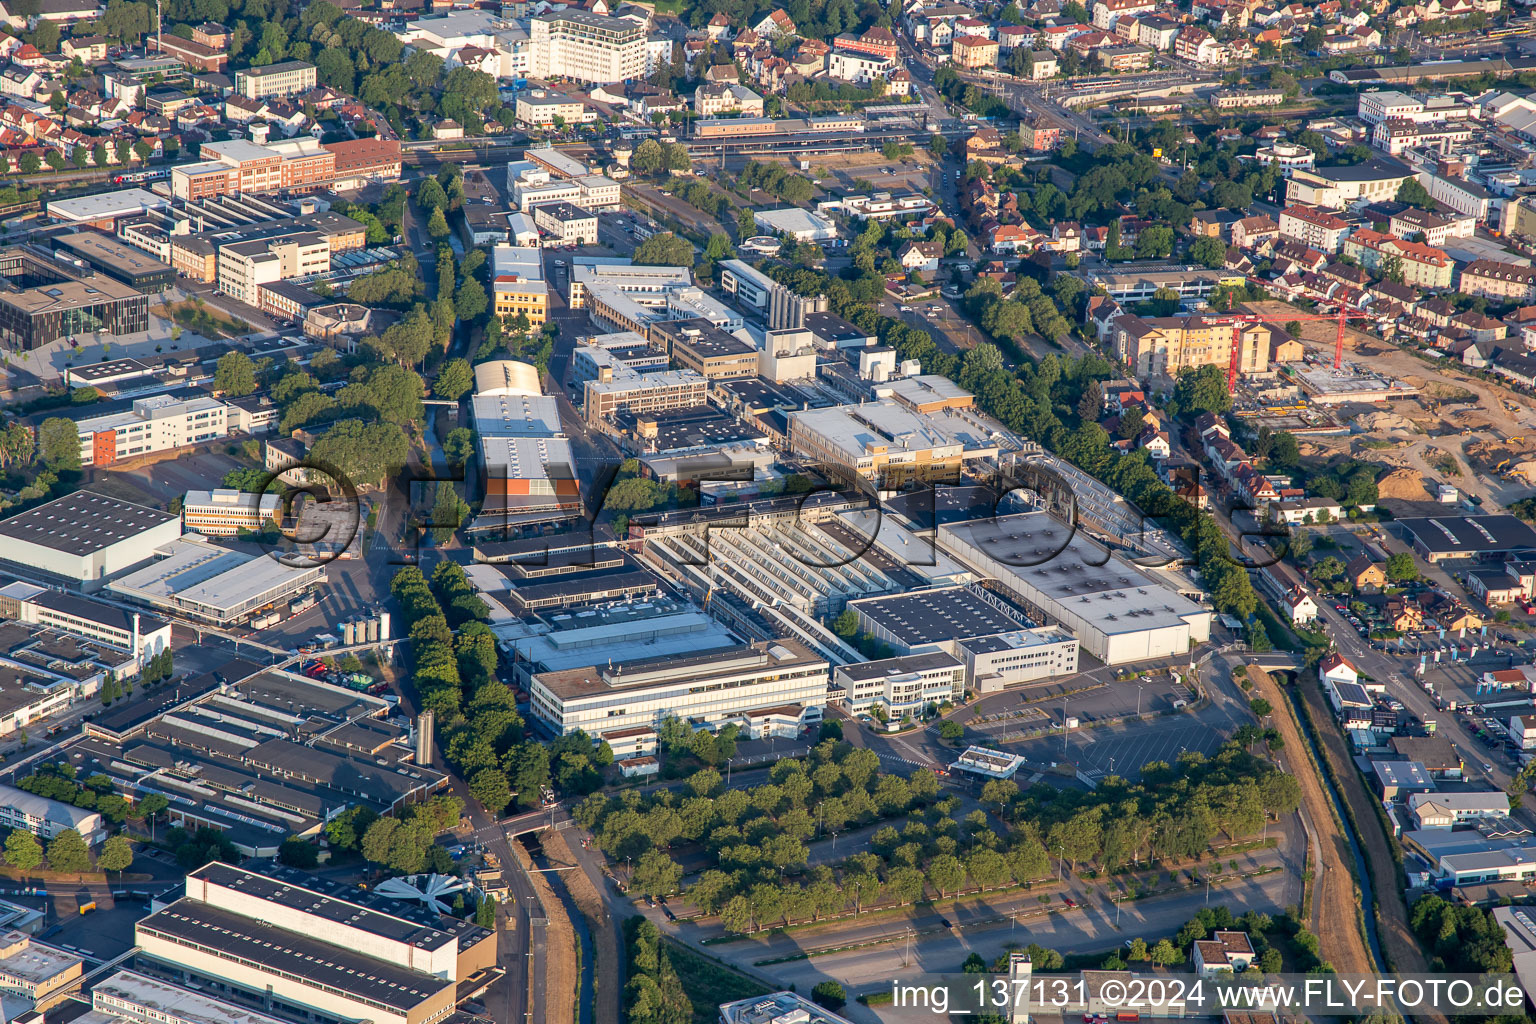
x,y
562,954
590,901
1332,913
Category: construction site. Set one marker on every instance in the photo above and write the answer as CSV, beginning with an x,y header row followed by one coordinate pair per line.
x,y
1424,421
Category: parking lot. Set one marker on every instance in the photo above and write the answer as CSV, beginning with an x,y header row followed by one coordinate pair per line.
x,y
156,483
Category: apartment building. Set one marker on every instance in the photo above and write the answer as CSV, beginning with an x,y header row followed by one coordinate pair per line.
x,y
862,68
1502,282
1314,228
1162,346
713,98
541,107
974,52
157,423
1420,264
586,47
283,79
712,689
517,283
226,512
245,266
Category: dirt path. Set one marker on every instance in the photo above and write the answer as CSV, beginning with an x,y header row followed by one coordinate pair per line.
x,y
605,934
1332,917
562,953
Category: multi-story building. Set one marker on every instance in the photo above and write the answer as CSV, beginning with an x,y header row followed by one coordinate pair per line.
x,y
566,224
517,283
586,47
888,442
713,98
138,634
239,166
157,423
878,41
974,52
646,392
283,79
298,944
1396,136
1420,264
360,161
225,512
1504,282
997,662
1316,229
1335,188
41,974
207,50
53,300
47,818
245,266
863,68
1286,157
900,686
1162,346
1375,107
1106,13
698,345
713,689
542,107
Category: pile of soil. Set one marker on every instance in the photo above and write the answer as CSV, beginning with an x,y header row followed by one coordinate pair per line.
x,y
1402,484
1380,422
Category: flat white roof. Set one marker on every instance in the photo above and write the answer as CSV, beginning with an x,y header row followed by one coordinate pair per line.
x,y
195,575
122,203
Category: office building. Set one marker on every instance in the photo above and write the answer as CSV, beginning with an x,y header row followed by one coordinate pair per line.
x,y
118,260
747,283
566,224
285,78
706,690
85,537
698,345
586,47
105,209
994,663
240,167
226,512
157,423
644,283
517,283
778,1008
46,818
303,947
38,973
361,161
140,635
542,107
1119,612
244,267
44,300
900,686
887,442
644,393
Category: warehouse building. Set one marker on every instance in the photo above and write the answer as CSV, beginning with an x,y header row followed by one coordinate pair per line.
x,y
706,690
105,209
890,443
1119,612
195,579
304,951
85,537
936,619
44,300
129,997
118,260
1490,538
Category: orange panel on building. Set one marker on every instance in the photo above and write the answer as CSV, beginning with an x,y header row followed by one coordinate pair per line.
x,y
104,447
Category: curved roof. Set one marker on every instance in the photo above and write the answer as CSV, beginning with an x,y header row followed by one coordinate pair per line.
x,y
507,377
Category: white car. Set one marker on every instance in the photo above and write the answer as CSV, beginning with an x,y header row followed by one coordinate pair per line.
x,y
559,263
906,309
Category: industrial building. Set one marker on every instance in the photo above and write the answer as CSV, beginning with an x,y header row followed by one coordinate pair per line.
x,y
934,619
195,579
890,443
85,537
44,300
706,690
118,260
698,345
138,634
104,209
1119,612
131,997
900,686
46,818
306,948
259,755
1444,538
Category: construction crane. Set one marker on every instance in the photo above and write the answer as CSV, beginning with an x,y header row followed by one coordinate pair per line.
x,y
1240,321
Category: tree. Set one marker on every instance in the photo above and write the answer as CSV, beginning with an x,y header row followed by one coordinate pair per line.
x,y
437,226
1166,954
22,850
489,786
30,162
430,195
99,155
235,374
470,301
946,873
58,444
829,994
665,250
655,874
647,157
53,157
1209,252
1400,568
116,854
68,852
938,146
1414,194
454,380
950,731
1284,451
1202,390
1285,82
1260,707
